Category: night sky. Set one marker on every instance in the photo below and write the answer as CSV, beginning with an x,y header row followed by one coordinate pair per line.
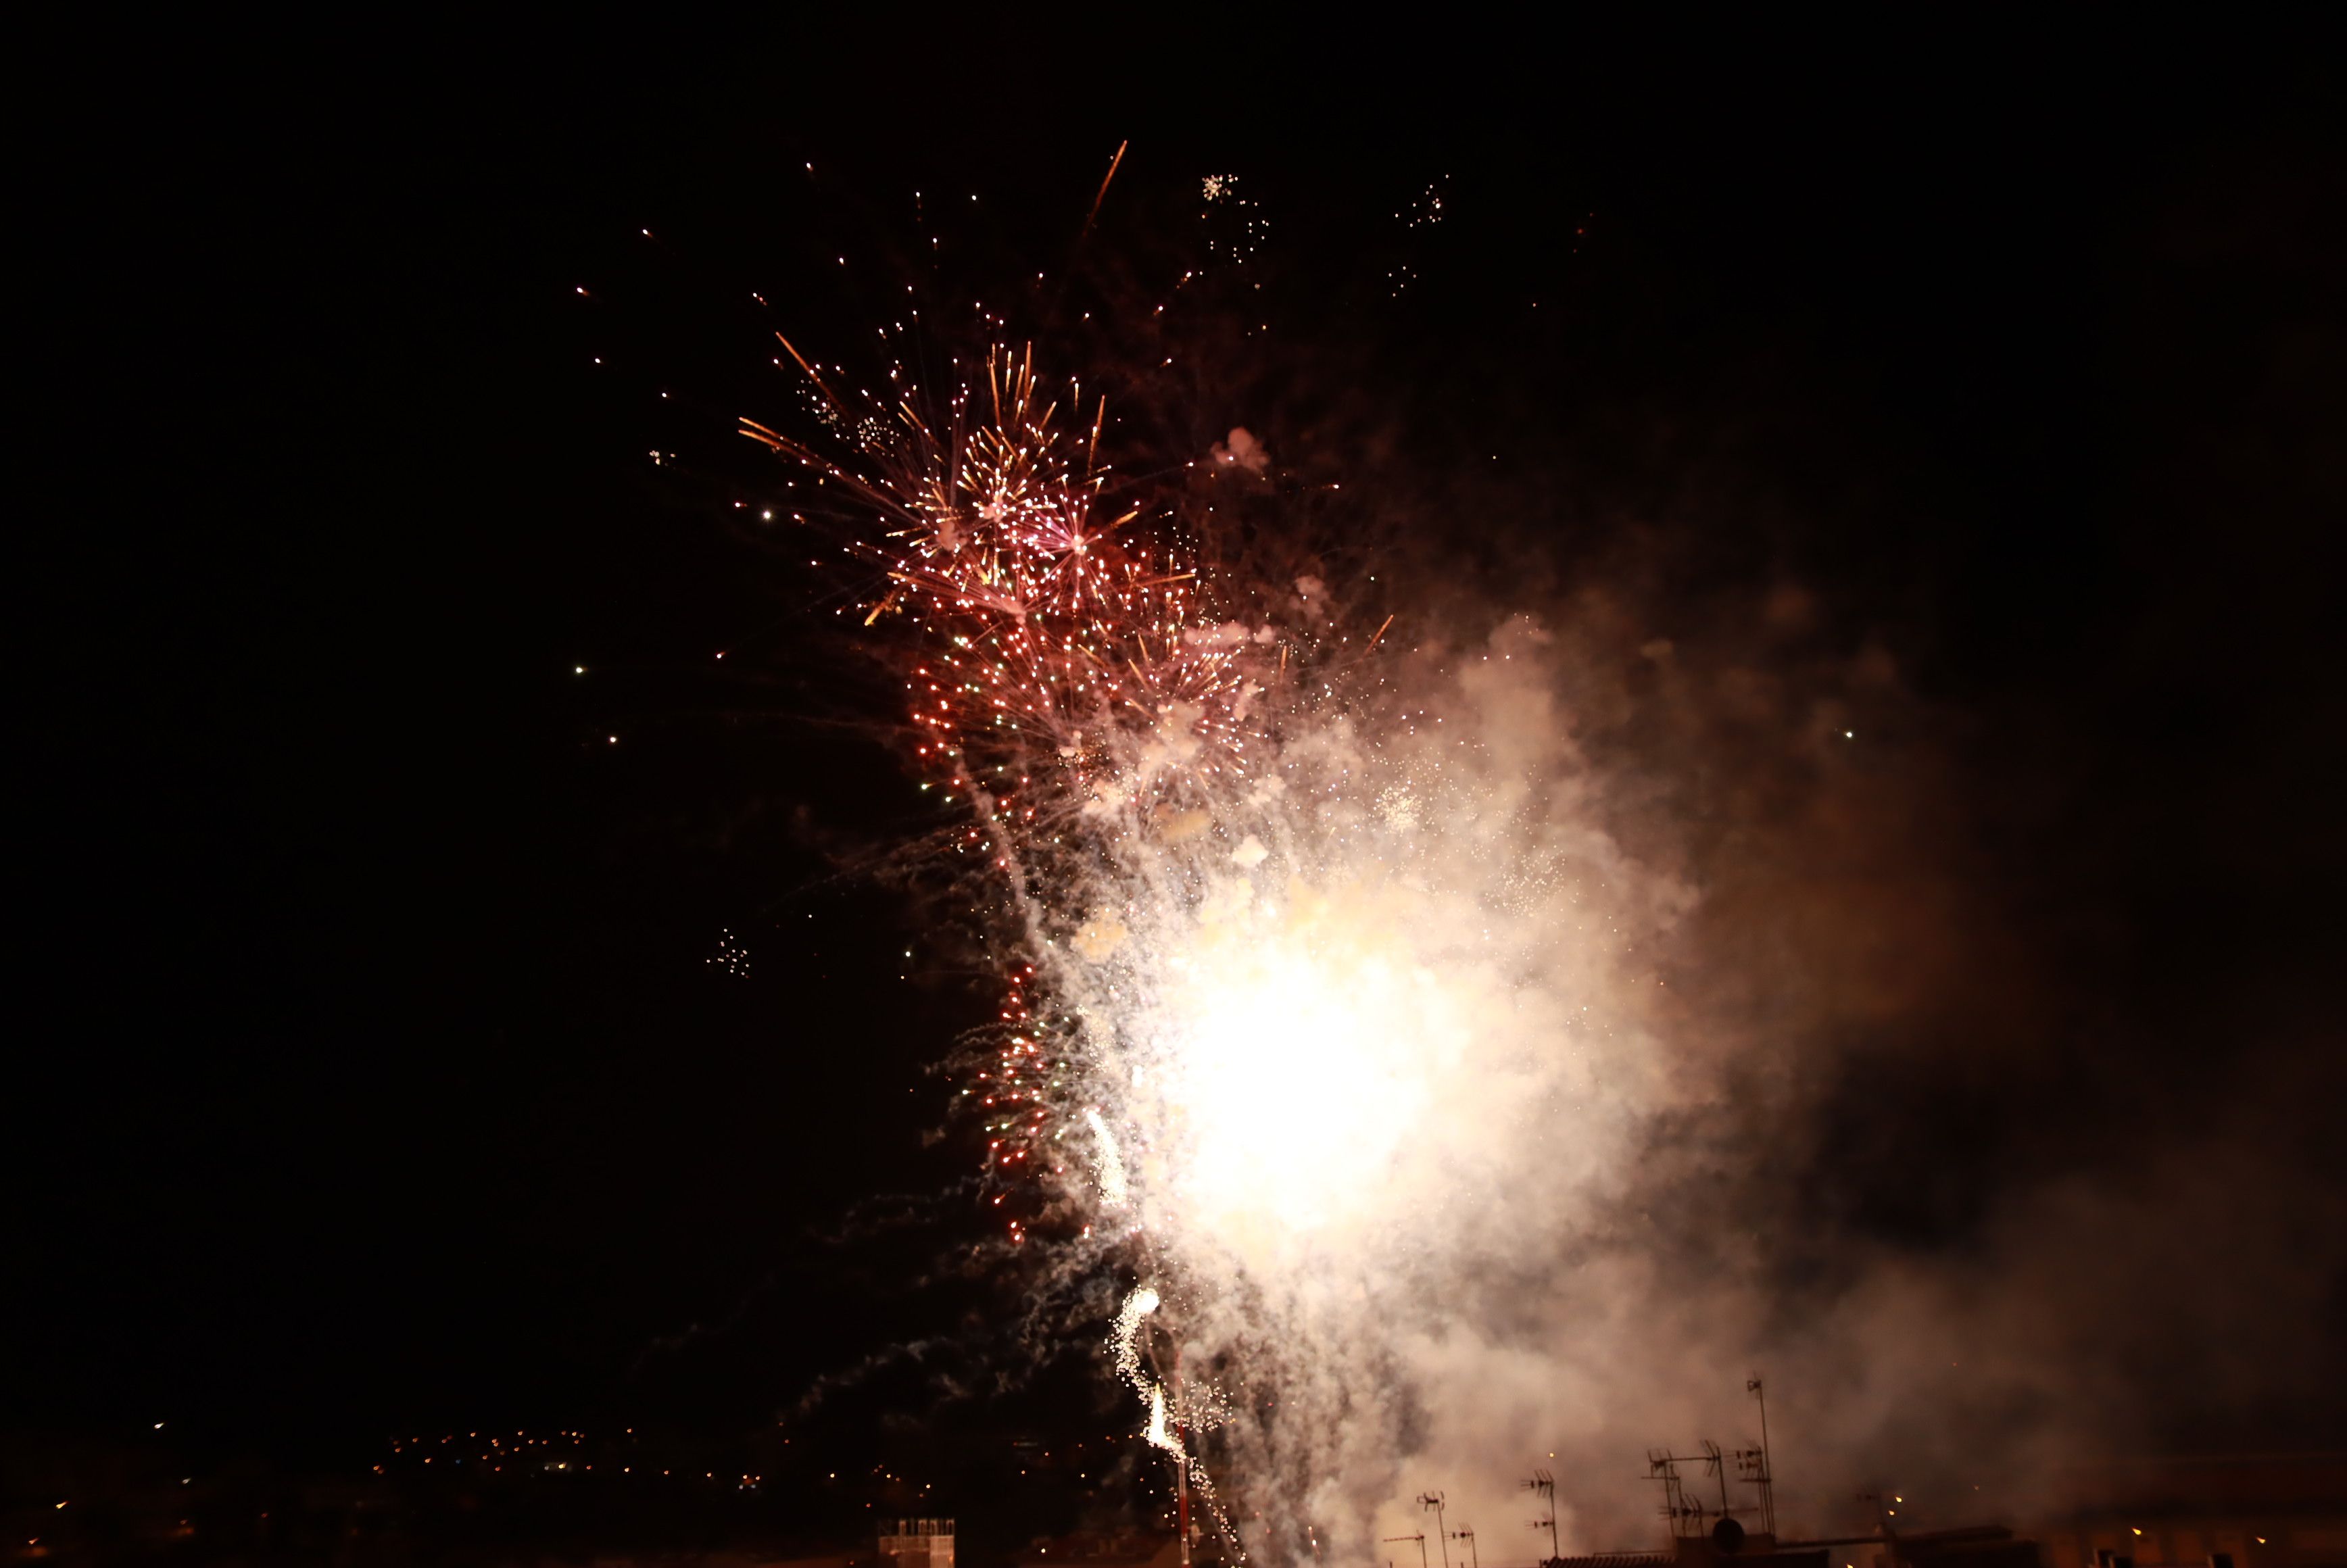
x,y
370,1069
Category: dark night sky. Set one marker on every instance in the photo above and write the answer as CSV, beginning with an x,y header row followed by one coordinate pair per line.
x,y
367,1071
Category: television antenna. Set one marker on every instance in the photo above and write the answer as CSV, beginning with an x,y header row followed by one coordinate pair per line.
x,y
1419,1538
1752,1465
1433,1501
1686,1514
1543,1486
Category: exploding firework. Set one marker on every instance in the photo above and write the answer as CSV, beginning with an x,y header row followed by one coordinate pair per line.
x,y
1312,929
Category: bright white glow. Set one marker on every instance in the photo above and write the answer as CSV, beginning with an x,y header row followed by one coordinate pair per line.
x,y
1158,1436
1294,1070
1360,1041
1112,1188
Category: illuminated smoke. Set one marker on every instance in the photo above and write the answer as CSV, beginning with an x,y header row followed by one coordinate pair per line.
x,y
1365,1029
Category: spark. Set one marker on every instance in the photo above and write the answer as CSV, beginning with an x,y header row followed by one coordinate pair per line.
x,y
1112,164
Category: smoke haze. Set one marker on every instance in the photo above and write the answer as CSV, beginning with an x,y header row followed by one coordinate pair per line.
x,y
1737,1037
1639,982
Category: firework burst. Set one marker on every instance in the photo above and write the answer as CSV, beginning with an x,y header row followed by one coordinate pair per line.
x,y
1074,679
1301,967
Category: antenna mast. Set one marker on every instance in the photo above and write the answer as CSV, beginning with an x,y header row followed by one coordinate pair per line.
x,y
1433,1500
1687,1514
1419,1538
1754,1466
1544,1485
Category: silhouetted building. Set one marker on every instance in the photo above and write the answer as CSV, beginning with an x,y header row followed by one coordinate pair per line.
x,y
916,1543
2219,1511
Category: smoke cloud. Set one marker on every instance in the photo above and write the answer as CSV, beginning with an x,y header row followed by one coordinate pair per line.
x,y
1521,987
1591,1013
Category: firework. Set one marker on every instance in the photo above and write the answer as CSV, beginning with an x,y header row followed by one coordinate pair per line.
x,y
1306,966
1058,639
1070,682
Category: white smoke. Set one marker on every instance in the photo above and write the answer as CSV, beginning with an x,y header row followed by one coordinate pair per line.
x,y
1446,1087
1367,1049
